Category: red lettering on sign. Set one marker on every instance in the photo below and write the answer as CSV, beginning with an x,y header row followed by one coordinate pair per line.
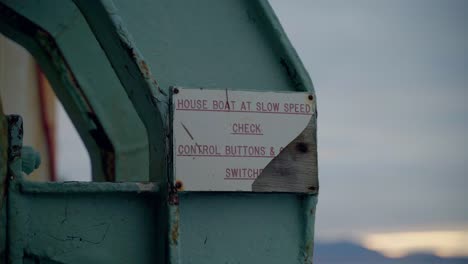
x,y
246,129
230,151
197,150
297,108
267,107
242,173
196,104
223,105
251,151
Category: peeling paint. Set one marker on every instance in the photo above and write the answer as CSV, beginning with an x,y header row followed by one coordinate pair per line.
x,y
175,233
295,168
173,196
146,186
15,137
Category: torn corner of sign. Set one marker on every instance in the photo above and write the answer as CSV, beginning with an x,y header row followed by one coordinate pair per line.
x,y
244,141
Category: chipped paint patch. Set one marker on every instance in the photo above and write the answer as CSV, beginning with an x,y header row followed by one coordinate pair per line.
x,y
146,186
175,233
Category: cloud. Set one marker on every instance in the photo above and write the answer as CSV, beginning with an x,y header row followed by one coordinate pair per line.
x,y
391,86
451,243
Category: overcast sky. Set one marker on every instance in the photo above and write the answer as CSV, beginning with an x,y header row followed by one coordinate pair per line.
x,y
391,83
391,79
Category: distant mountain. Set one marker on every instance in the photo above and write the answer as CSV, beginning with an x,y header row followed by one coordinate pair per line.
x,y
351,253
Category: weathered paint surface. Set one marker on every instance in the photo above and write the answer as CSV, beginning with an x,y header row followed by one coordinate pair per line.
x,y
85,83
231,44
14,172
15,145
240,228
236,44
149,100
73,222
83,224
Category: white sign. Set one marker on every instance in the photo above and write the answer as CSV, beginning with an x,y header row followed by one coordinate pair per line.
x,y
224,139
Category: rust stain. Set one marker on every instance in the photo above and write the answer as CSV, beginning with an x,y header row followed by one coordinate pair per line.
x,y
173,197
179,185
175,232
144,68
307,250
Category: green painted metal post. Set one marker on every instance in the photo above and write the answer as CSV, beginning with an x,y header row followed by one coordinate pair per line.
x,y
113,63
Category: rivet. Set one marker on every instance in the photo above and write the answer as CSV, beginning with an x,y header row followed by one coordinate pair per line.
x,y
178,185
